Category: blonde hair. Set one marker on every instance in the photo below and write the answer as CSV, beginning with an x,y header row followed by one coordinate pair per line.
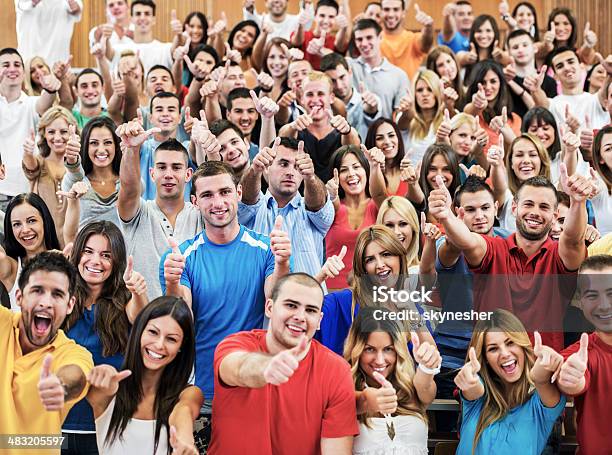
x,y
49,117
406,210
315,76
419,128
497,399
401,377
513,181
28,84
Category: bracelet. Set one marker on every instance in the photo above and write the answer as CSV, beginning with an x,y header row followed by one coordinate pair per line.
x,y
432,371
200,79
523,92
50,92
72,165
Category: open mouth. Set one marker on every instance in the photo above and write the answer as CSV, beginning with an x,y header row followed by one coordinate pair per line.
x,y
295,329
353,183
533,223
41,323
603,317
28,239
384,276
168,186
155,356
103,156
218,213
510,367
245,123
93,270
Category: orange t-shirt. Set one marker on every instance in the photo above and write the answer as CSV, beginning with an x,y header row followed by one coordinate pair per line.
x,y
514,121
403,50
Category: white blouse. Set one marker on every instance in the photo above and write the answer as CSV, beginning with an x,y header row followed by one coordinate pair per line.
x,y
410,437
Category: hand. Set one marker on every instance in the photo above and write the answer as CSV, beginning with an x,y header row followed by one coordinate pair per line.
x,y
572,122
305,17
548,362
281,367
586,134
499,122
606,63
479,98
30,143
73,146
591,234
504,8
287,99
589,36
332,186
265,157
61,69
293,53
549,35
449,10
341,21
205,141
472,55
50,389
132,133
510,70
475,170
106,31
421,17
407,172
406,103
316,45
209,89
334,264
370,100
181,447
339,123
467,377
481,136
440,201
98,50
232,55
175,24
134,281
496,153
302,122
196,68
280,244
265,81
445,128
219,26
533,83
50,83
383,399
78,190
375,156
181,51
578,187
497,53
450,96
106,379
265,106
174,264
569,141
574,368
266,27
249,5
118,85
431,232
304,163
425,353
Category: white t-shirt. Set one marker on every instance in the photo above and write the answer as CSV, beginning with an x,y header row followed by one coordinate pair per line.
x,y
579,106
16,121
602,206
410,437
46,29
282,29
151,54
506,218
582,168
114,39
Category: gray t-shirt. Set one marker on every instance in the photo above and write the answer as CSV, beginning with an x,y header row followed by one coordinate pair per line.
x,y
146,238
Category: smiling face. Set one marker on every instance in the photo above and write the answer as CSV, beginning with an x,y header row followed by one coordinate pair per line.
x,y
535,212
160,342
217,198
277,62
195,29
341,78
170,173
117,9
525,160
400,226
464,16
524,18
368,43
12,66
159,80
234,150
44,302
89,90
96,263
352,176
563,27
479,211
557,226
298,71
382,266
462,139
386,140
596,298
325,17
505,358
101,148
38,69
439,166
233,79
317,98
545,132
295,313
28,228
521,49
378,355
606,151
491,84
446,66
56,135
392,14
567,69
166,115
283,176
143,18
244,38
243,114
485,35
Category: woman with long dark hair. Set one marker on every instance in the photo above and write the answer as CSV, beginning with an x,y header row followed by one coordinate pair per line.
x,y
109,296
149,407
94,162
562,26
385,135
442,61
28,230
602,161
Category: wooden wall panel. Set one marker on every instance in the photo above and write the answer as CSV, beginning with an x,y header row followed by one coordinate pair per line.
x,y
597,12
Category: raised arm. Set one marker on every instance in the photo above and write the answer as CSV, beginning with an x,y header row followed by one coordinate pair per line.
x,y
499,176
572,379
56,389
534,85
280,244
377,186
467,379
544,372
173,267
449,25
137,286
427,32
427,266
428,360
104,381
572,249
315,194
251,181
181,420
51,86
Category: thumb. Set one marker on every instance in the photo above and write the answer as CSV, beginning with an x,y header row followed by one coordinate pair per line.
x,y
417,9
173,438
33,134
567,112
152,131
45,371
67,251
254,97
413,336
301,347
342,253
465,169
505,114
423,222
187,113
278,223
440,182
362,87
139,114
587,27
593,173
223,16
174,245
187,60
446,115
381,379
323,35
129,268
300,148
473,360
537,342
496,43
336,176
71,131
583,352
587,121
563,172
122,375
173,15
472,48
480,87
227,48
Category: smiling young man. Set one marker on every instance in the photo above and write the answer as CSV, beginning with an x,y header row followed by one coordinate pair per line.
x,y
225,272
242,112
279,390
43,372
89,86
458,20
524,273
234,147
276,17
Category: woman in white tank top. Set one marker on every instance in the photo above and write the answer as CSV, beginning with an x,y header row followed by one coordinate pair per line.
x,y
28,230
391,396
137,409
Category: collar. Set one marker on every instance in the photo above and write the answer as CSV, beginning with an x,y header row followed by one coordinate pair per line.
x,y
547,245
270,202
384,65
355,99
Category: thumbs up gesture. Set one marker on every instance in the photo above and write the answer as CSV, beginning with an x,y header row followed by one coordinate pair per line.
x,y
133,134
333,185
316,45
571,120
106,379
440,200
280,243
422,17
479,99
430,231
589,36
50,389
574,368
472,55
174,264
281,367
408,173
304,163
586,134
30,143
370,100
467,378
265,157
266,107
175,24
333,266
548,362
578,187
134,281
445,129
181,446
73,146
425,354
533,83
382,399
500,121
496,153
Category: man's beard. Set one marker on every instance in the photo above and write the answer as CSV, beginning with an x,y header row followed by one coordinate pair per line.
x,y
532,236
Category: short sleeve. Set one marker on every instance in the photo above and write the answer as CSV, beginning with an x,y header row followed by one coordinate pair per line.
x,y
238,342
487,260
323,218
340,415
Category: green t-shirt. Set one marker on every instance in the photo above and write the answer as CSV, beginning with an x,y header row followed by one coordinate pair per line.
x,y
82,120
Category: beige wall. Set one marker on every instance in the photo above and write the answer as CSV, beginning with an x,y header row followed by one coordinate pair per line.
x,y
597,12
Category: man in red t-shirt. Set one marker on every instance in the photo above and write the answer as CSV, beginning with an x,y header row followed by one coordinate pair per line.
x,y
280,391
587,370
523,273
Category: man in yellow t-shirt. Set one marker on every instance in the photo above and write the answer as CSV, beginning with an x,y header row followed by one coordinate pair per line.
x,y
43,373
601,246
401,47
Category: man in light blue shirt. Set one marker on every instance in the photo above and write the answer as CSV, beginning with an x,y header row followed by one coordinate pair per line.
x,y
306,218
458,20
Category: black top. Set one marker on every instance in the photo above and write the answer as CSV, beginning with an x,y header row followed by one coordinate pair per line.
x,y
518,106
321,151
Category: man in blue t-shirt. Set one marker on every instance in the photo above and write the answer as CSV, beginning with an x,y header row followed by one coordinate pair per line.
x,y
224,273
458,20
475,203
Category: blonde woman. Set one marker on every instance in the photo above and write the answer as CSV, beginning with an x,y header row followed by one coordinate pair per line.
x,y
424,114
509,403
380,266
526,158
46,170
35,69
391,394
